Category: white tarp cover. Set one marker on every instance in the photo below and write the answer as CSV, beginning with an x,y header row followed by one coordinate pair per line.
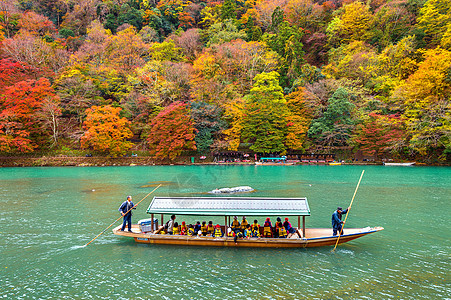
x,y
229,206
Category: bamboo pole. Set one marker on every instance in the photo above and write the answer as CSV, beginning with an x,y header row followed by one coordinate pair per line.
x,y
349,209
124,215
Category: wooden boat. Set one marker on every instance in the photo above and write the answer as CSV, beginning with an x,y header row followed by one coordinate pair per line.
x,y
407,164
273,161
248,206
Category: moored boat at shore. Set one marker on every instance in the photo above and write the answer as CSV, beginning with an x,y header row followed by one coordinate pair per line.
x,y
406,164
239,206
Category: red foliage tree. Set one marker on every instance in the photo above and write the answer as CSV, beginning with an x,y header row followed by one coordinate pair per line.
x,y
381,133
12,72
21,115
172,132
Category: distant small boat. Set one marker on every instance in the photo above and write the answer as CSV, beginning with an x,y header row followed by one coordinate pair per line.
x,y
335,164
400,164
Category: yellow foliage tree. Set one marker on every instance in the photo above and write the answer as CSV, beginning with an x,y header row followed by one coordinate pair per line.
x,y
298,120
234,114
434,18
426,97
354,23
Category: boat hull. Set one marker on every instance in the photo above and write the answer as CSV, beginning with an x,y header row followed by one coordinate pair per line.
x,y
314,241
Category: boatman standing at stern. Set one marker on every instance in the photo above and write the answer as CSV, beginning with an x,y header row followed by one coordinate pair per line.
x,y
337,223
125,207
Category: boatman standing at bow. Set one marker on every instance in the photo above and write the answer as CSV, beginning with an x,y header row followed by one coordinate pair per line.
x,y
125,207
337,223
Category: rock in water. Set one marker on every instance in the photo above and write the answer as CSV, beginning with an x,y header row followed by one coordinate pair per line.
x,y
238,189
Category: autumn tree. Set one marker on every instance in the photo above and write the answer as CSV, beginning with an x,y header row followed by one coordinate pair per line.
x,y
106,131
381,134
227,72
171,132
234,115
392,22
79,17
12,72
223,32
356,60
22,127
353,22
298,120
189,42
77,92
425,97
36,24
34,51
434,18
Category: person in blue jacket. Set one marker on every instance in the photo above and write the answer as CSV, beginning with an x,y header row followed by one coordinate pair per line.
x,y
337,223
123,209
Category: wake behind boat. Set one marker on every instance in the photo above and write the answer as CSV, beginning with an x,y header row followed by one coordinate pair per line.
x,y
238,206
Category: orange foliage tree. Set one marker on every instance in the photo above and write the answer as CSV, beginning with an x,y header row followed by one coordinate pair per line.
x,y
172,132
106,131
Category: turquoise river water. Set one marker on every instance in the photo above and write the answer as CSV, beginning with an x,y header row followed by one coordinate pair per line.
x,y
47,214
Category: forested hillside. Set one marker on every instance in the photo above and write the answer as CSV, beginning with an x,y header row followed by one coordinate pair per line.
x,y
269,76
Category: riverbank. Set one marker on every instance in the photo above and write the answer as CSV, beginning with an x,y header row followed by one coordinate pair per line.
x,y
65,161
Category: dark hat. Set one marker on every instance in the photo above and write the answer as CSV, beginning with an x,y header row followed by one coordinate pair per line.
x,y
278,219
339,208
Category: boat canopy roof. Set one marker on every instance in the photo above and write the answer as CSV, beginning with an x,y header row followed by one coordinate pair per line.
x,y
229,206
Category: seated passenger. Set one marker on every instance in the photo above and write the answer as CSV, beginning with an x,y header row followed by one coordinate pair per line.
x,y
256,232
255,225
230,233
277,226
267,228
190,231
183,229
282,233
210,228
218,231
244,224
235,225
203,228
290,230
238,234
176,228
248,232
197,227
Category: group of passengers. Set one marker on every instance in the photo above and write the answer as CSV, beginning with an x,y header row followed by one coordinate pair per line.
x,y
236,229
